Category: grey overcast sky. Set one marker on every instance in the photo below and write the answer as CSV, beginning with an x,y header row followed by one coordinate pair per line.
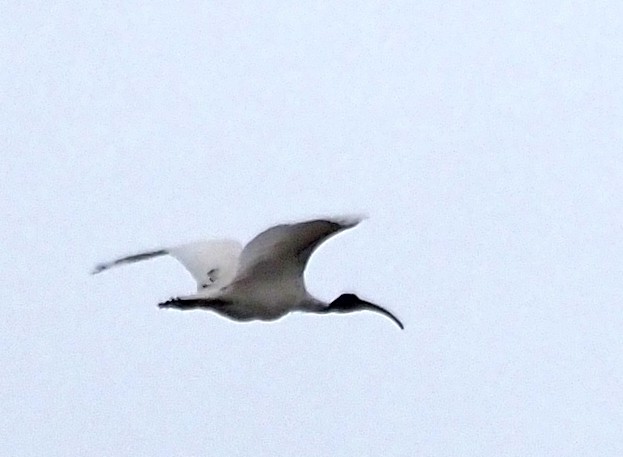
x,y
483,138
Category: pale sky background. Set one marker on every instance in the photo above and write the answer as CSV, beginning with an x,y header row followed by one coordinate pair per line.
x,y
483,139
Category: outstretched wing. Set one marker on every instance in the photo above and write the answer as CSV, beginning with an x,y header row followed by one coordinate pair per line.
x,y
284,250
213,263
128,259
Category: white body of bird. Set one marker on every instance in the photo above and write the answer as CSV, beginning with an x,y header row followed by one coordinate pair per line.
x,y
265,280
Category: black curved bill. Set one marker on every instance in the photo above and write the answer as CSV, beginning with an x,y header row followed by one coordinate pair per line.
x,y
379,309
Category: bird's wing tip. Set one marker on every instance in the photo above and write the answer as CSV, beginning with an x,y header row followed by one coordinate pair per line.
x,y
99,268
351,220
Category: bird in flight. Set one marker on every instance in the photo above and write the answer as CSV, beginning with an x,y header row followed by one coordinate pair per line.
x,y
262,281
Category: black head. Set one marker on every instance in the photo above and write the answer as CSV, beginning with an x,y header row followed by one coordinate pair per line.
x,y
348,303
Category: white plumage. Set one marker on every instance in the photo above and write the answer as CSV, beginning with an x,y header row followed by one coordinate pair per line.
x,y
265,280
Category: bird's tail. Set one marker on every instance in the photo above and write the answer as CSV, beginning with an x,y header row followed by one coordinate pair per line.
x,y
128,259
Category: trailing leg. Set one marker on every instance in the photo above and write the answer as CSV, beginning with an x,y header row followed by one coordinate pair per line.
x,y
185,304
